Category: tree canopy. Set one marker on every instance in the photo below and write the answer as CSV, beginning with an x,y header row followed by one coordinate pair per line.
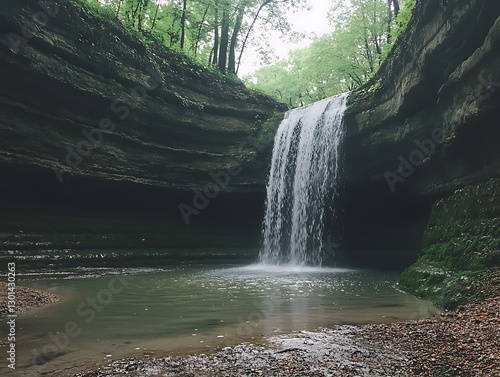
x,y
214,32
363,34
218,32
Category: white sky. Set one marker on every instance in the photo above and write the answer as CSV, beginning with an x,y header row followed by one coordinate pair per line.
x,y
312,22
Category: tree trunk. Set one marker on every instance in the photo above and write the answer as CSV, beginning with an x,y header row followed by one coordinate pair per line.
x,y
119,7
392,12
140,12
183,23
396,6
215,58
389,21
369,55
366,37
156,14
198,36
224,37
174,37
250,30
234,37
135,12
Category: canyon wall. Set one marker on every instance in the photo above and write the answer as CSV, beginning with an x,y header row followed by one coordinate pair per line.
x,y
92,117
424,126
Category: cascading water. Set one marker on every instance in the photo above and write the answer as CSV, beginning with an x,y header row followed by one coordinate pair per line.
x,y
302,183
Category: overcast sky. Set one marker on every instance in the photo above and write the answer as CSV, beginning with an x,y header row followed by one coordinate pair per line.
x,y
309,22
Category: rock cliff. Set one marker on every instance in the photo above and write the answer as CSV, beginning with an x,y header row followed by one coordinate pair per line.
x,y
425,125
91,116
461,240
80,96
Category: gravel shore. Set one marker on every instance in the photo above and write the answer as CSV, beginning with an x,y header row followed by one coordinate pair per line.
x,y
26,298
464,342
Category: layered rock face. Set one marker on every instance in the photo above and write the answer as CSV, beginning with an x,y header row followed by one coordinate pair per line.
x,y
103,139
82,97
426,125
89,116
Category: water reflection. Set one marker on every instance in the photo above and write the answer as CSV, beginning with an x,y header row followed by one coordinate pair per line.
x,y
202,306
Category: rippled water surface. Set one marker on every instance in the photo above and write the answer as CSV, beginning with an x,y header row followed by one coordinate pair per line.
x,y
115,313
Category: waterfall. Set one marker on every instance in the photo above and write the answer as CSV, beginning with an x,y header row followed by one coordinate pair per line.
x,y
302,183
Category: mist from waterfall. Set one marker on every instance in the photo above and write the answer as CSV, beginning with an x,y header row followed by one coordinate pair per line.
x,y
302,183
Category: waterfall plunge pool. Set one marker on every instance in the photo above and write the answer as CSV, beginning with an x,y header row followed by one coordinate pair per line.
x,y
111,312
195,308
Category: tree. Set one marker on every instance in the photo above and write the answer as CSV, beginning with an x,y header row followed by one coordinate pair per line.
x,y
224,36
201,23
216,34
214,31
183,23
250,29
392,13
234,36
394,4
154,17
336,62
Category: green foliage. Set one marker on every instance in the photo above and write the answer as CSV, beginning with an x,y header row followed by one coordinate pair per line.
x,y
461,240
448,290
403,18
214,32
334,63
95,7
267,131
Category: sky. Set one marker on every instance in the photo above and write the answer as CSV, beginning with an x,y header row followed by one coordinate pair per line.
x,y
313,21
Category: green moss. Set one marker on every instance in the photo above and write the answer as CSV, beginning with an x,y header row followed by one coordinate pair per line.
x,y
461,240
267,131
446,289
403,18
375,86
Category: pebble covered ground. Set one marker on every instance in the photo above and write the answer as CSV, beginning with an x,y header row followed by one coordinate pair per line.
x,y
465,342
313,354
26,298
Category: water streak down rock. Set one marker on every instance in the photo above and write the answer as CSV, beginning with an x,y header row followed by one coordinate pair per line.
x,y
302,183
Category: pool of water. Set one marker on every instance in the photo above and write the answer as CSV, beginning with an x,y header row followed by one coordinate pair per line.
x,y
113,313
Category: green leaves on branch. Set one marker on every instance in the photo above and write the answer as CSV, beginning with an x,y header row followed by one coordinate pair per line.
x,y
214,32
363,33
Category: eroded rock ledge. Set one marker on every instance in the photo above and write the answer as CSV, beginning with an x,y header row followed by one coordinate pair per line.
x,y
81,96
424,126
173,123
443,74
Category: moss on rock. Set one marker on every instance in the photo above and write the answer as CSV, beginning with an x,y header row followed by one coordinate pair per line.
x,y
462,239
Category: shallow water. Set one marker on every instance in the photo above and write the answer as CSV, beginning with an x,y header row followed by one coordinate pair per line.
x,y
116,313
